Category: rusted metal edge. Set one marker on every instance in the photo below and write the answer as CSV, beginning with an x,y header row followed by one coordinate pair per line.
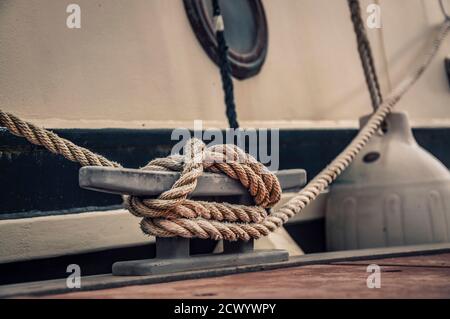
x,y
109,281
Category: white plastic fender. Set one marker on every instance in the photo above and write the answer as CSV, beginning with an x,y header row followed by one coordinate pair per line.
x,y
394,193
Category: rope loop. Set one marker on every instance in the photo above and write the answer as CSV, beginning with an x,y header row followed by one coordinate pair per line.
x,y
174,214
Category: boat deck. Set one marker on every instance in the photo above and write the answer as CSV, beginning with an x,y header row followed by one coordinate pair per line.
x,y
425,276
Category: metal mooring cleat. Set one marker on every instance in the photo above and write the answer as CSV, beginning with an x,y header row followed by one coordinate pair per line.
x,y
172,254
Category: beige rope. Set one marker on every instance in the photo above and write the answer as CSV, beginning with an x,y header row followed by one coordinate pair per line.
x,y
52,142
173,214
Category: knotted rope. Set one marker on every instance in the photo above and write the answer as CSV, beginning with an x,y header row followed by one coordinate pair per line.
x,y
173,214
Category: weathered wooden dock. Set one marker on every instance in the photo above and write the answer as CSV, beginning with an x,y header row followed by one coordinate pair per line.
x,y
426,276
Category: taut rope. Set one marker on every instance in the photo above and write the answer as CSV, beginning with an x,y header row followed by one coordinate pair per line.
x,y
52,142
444,12
365,54
172,214
224,65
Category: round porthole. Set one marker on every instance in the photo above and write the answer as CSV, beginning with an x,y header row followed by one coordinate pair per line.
x,y
245,31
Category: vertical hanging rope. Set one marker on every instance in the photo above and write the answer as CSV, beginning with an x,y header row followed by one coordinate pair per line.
x,y
365,54
224,64
444,12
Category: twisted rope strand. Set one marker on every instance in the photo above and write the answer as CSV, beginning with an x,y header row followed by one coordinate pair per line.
x,y
52,142
365,54
225,67
174,214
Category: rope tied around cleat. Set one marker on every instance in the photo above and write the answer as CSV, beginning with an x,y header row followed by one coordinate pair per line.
x,y
174,214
